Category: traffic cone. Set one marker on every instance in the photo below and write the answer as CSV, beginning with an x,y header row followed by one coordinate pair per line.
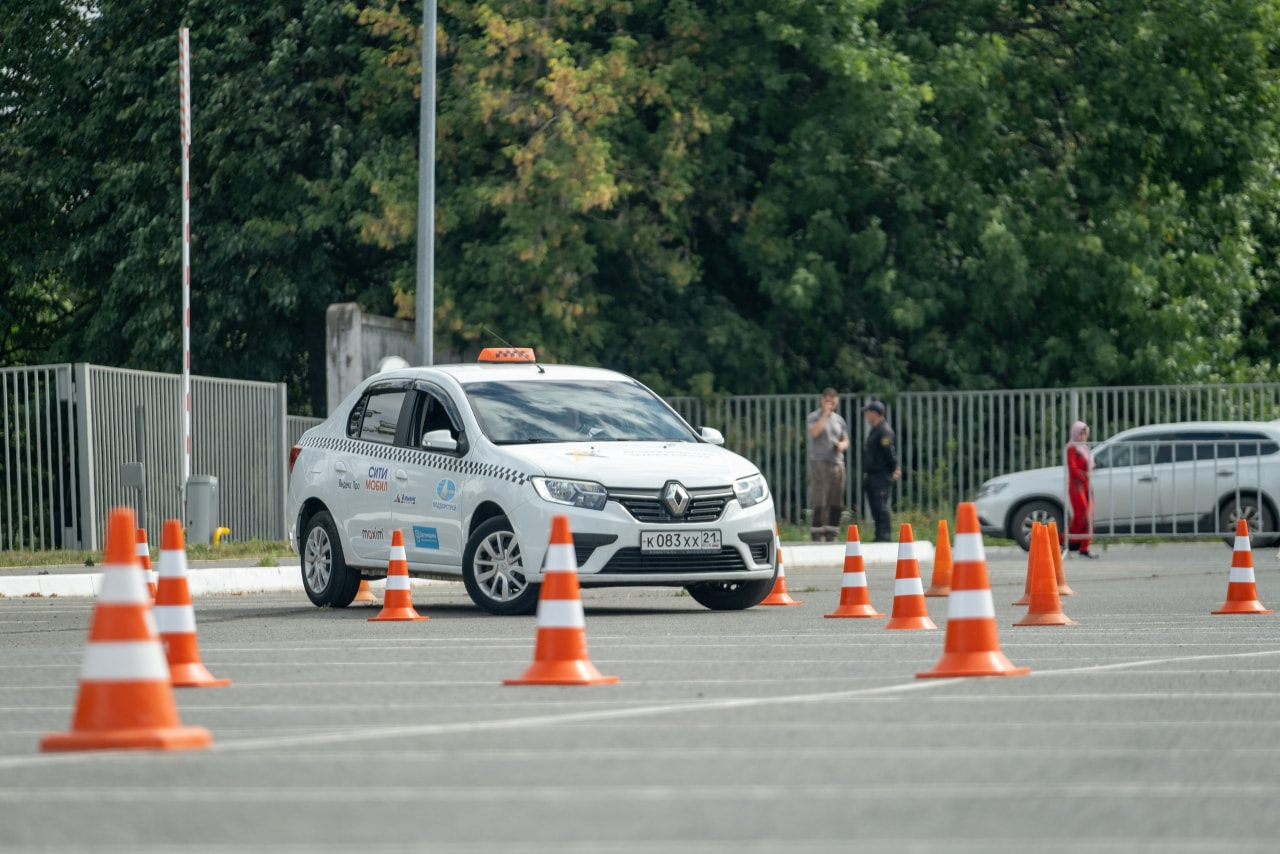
x,y
973,644
1046,608
125,700
1242,592
175,616
940,583
778,595
910,611
144,557
1025,599
560,650
854,601
364,593
1063,588
397,601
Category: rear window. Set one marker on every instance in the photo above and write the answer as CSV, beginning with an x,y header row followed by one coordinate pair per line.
x,y
377,415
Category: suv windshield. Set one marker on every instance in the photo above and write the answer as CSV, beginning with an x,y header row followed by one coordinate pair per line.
x,y
512,413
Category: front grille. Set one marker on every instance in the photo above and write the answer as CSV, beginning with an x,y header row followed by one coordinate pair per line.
x,y
634,561
706,505
760,552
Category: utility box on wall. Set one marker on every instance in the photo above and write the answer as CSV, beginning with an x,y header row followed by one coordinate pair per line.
x,y
202,508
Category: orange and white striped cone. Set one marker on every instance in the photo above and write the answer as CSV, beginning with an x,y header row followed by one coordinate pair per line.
x,y
560,650
854,600
778,595
125,700
364,593
910,611
1242,591
175,616
397,601
1046,607
1058,572
1025,598
144,557
940,583
973,642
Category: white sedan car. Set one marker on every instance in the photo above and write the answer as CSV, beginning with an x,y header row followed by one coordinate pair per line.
x,y
470,462
1187,478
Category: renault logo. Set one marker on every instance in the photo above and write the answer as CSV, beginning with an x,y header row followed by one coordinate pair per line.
x,y
676,498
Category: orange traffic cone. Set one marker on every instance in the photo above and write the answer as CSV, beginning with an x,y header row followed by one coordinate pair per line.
x,y
397,601
1242,592
364,593
175,616
1046,608
778,595
940,584
854,601
1025,598
125,700
910,611
973,643
560,651
1063,588
144,557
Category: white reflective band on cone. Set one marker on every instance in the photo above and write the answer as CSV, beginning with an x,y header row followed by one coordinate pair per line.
x,y
1242,544
560,557
397,553
175,619
173,564
854,579
143,550
1240,574
561,614
907,587
906,551
124,661
970,604
853,548
123,585
397,582
968,549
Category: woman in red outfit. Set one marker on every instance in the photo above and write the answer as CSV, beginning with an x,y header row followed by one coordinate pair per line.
x,y
1079,463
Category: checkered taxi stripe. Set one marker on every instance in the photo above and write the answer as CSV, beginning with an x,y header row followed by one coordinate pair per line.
x,y
412,456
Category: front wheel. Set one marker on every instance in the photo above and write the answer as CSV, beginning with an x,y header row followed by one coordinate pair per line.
x,y
325,574
1043,512
730,595
493,570
1262,523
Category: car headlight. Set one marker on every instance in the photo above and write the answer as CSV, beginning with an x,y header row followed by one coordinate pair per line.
x,y
990,489
575,493
751,490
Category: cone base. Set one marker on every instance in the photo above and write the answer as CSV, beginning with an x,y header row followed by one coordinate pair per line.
x,y
170,738
1252,607
962,664
938,591
562,673
364,597
403,615
780,599
910,623
854,611
1025,600
1064,590
194,675
1046,618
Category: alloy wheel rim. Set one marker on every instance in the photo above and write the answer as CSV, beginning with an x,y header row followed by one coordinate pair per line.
x,y
499,571
318,561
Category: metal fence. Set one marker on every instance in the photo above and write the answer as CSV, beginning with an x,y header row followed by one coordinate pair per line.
x,y
296,425
37,458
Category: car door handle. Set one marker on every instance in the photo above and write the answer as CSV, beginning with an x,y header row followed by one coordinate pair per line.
x,y
1225,473
1147,479
401,474
339,466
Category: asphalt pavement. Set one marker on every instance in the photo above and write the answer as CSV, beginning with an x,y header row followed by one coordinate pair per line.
x,y
1150,726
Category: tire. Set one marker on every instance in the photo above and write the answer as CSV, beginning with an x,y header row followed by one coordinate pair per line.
x,y
493,572
325,574
1043,512
1259,516
730,595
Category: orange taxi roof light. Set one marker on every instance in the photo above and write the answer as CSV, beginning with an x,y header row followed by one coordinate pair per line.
x,y
506,354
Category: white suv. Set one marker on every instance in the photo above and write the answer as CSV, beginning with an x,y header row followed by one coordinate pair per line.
x,y
470,462
1193,477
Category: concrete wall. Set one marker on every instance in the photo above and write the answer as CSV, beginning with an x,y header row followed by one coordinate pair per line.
x,y
357,343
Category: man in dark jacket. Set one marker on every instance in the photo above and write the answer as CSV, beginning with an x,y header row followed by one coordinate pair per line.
x,y
879,467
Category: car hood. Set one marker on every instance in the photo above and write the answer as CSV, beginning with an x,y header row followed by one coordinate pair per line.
x,y
646,465
1053,475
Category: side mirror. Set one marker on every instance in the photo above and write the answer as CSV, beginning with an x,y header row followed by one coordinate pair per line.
x,y
711,435
439,440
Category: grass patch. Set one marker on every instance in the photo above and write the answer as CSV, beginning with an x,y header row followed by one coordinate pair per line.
x,y
263,550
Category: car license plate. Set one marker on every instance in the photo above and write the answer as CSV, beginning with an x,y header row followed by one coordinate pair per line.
x,y
653,542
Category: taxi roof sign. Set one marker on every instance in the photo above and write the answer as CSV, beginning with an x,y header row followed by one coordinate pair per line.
x,y
506,354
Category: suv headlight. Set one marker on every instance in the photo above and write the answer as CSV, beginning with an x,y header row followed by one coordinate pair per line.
x,y
990,489
575,493
751,490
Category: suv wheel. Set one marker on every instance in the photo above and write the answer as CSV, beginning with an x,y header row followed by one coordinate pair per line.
x,y
730,595
325,574
1043,512
1262,523
493,571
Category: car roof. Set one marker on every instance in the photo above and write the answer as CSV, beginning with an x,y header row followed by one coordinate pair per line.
x,y
1191,426
465,373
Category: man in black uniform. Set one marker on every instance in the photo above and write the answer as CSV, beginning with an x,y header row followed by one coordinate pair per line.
x,y
879,467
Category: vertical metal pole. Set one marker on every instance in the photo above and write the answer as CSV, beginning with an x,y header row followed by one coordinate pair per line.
x,y
184,73
425,301
139,449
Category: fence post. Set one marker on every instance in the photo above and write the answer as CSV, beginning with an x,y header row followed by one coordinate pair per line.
x,y
280,524
85,487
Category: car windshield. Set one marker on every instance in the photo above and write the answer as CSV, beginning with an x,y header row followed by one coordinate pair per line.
x,y
512,413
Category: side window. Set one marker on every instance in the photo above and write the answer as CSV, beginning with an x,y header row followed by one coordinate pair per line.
x,y
1120,455
375,417
1194,446
434,411
1242,445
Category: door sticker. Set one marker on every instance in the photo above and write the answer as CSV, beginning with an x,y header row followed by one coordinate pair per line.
x,y
426,538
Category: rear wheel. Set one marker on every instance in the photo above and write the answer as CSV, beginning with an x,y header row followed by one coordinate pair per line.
x,y
325,574
730,595
1043,512
493,570
1262,523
